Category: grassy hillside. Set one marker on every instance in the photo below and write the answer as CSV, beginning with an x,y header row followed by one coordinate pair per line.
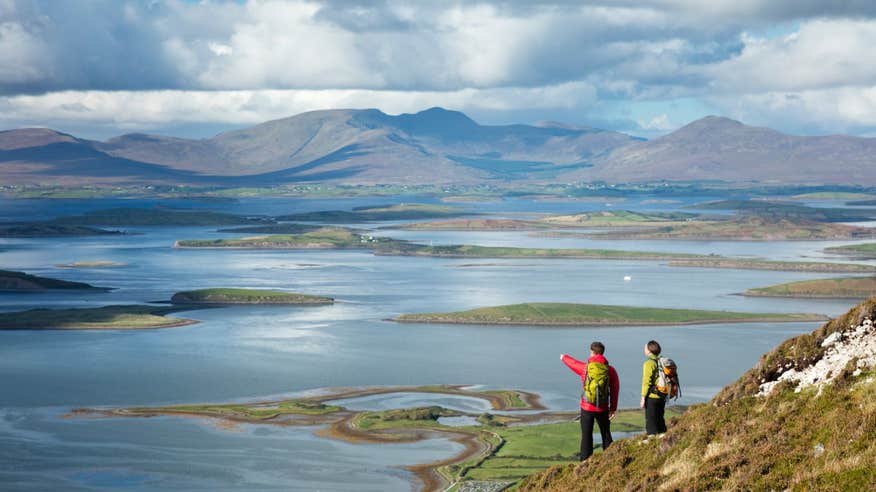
x,y
828,288
792,211
818,436
245,296
563,314
617,218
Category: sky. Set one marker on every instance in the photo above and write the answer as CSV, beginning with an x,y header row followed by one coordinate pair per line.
x,y
100,68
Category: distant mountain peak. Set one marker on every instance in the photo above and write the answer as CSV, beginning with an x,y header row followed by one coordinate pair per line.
x,y
32,137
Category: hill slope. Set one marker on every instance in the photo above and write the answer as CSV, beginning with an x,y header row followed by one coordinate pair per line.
x,y
804,418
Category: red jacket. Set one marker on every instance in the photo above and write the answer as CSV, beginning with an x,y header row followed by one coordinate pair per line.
x,y
580,368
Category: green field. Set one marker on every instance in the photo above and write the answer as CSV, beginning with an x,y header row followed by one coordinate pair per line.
x,y
833,195
11,280
131,317
527,449
828,288
155,217
243,411
563,314
470,251
477,225
273,229
245,296
322,238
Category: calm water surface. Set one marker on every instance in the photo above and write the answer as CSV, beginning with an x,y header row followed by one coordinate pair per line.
x,y
254,352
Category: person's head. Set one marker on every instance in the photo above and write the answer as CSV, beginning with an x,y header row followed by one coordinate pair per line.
x,y
652,348
597,348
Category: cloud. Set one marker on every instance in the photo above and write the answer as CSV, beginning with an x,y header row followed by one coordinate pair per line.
x,y
152,65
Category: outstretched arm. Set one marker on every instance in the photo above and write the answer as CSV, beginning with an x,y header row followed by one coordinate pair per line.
x,y
574,364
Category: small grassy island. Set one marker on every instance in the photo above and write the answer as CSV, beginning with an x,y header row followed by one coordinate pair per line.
x,y
44,229
828,288
273,229
20,281
131,317
565,314
783,266
865,251
156,217
221,296
92,264
322,238
401,211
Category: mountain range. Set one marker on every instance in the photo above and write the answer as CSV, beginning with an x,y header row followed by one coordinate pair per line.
x,y
435,146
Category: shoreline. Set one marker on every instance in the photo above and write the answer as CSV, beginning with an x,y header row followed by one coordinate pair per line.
x,y
609,324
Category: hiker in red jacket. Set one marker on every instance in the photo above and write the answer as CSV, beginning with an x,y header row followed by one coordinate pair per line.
x,y
600,390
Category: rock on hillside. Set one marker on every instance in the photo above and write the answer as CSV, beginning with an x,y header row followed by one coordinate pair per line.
x,y
804,418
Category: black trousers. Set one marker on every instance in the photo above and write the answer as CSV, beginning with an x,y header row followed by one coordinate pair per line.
x,y
654,421
587,419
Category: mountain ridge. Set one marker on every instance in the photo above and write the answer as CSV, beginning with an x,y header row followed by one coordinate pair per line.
x,y
436,146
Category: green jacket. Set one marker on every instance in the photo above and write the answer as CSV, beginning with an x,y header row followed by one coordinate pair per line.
x,y
649,376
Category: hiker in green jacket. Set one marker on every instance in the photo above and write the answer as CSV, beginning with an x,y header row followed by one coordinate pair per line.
x,y
653,402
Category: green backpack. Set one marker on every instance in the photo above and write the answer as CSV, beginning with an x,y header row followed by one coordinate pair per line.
x,y
595,390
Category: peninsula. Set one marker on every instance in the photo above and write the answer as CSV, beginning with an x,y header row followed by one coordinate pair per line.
x,y
322,238
45,229
125,317
746,228
156,217
224,296
866,251
398,248
20,281
566,314
828,288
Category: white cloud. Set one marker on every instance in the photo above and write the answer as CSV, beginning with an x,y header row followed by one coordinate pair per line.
x,y
659,122
219,49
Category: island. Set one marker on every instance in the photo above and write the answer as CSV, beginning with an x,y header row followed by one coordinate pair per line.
x,y
92,264
225,296
567,314
20,281
784,266
765,208
402,211
828,288
273,229
516,438
322,238
866,251
123,317
476,225
399,248
746,228
618,218
43,229
157,217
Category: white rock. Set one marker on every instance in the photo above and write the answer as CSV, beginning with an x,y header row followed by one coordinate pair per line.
x,y
831,339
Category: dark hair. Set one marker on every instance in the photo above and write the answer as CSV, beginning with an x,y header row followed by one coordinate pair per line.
x,y
597,348
654,347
